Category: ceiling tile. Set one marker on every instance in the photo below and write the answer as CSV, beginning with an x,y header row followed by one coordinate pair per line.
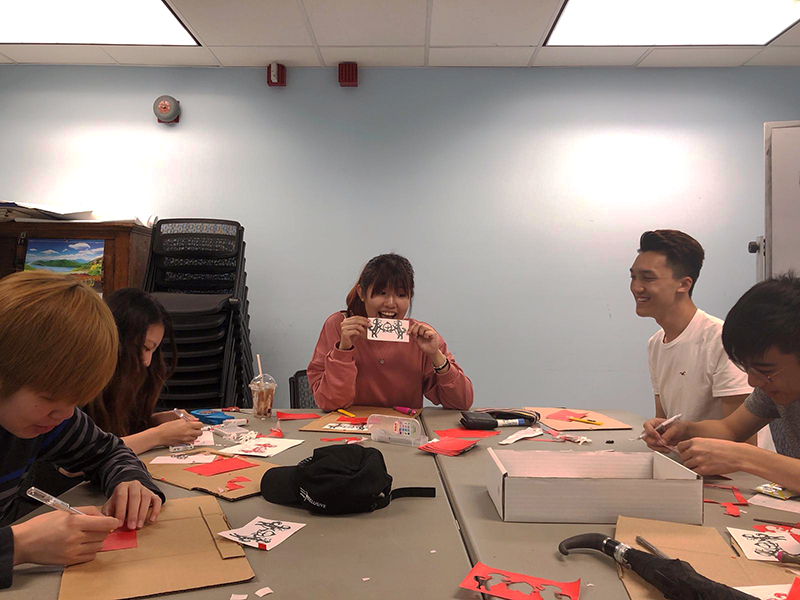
x,y
261,56
368,22
565,56
698,57
779,57
492,23
383,56
245,22
162,56
790,38
56,54
4,58
480,57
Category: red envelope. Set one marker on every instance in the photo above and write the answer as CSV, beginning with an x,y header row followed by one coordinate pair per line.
x,y
566,415
460,432
448,446
120,539
221,466
353,420
282,416
496,582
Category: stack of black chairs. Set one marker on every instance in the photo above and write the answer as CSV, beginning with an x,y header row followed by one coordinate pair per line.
x,y
196,269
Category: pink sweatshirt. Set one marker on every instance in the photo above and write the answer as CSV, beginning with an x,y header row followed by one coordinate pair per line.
x,y
341,378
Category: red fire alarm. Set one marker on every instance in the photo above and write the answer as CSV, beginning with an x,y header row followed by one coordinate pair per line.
x,y
348,74
276,75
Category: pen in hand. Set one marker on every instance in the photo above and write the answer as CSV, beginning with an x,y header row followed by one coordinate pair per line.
x,y
51,501
661,426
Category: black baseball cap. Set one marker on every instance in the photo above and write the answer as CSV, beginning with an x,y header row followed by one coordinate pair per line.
x,y
336,480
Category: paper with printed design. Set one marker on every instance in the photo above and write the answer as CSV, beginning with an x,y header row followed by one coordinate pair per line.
x,y
388,330
263,533
262,447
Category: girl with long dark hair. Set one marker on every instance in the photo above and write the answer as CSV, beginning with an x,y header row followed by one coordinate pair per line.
x,y
347,369
126,405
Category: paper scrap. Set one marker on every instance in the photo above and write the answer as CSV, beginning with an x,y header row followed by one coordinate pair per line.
x,y
120,539
353,420
388,330
501,584
767,592
263,592
275,433
761,545
792,506
239,596
262,447
282,416
225,465
566,415
365,579
523,434
433,551
205,439
263,533
460,432
183,459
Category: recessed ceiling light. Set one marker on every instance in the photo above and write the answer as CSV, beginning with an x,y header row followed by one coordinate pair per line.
x,y
129,22
672,22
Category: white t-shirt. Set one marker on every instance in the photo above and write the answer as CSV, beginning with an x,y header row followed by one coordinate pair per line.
x,y
693,369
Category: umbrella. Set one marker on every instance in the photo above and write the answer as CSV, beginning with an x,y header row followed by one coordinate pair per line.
x,y
675,578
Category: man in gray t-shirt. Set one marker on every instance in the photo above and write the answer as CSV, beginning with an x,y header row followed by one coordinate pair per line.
x,y
762,336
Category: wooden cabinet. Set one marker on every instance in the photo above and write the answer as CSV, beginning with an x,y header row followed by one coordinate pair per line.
x,y
125,250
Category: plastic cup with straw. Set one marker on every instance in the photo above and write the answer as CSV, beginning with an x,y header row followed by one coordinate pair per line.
x,y
263,388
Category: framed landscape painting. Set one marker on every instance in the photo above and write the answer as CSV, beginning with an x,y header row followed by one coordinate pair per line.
x,y
78,258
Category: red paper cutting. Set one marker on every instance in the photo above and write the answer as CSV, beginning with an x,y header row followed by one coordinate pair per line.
x,y
460,432
353,420
221,466
120,539
731,509
275,433
496,582
774,528
794,593
232,485
282,416
566,415
241,478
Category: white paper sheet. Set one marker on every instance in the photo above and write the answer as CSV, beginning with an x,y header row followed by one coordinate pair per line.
x,y
206,439
388,330
183,459
758,545
767,592
263,533
792,506
262,447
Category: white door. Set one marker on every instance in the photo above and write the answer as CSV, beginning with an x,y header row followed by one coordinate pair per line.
x,y
782,223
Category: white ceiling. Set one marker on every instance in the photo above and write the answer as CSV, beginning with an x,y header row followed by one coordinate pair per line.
x,y
390,33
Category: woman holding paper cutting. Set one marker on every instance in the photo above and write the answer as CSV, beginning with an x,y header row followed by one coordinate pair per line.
x,y
126,405
348,369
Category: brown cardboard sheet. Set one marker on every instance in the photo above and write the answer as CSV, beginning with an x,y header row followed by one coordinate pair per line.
x,y
181,551
702,547
359,411
607,422
179,476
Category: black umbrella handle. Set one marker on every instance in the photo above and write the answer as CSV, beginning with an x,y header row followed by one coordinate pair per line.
x,y
596,541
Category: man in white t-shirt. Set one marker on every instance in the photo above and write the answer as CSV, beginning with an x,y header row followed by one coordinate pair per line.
x,y
689,369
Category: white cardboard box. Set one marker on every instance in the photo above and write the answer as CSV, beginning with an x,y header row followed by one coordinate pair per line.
x,y
592,487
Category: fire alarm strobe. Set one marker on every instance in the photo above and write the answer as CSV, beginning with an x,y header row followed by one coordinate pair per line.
x,y
276,75
167,109
348,74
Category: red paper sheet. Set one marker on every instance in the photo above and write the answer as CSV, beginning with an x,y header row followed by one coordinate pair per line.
x,y
460,432
516,586
241,478
794,592
120,539
448,446
221,466
353,420
282,416
232,485
566,415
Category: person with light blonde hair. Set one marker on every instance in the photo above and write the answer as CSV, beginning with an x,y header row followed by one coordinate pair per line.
x,y
58,343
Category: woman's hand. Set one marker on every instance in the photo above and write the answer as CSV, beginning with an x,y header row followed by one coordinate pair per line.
x,y
179,431
427,339
352,328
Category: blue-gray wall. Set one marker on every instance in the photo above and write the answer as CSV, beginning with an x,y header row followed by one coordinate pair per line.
x,y
518,195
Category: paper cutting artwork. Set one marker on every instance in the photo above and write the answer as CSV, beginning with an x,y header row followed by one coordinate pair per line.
x,y
221,466
388,330
761,545
205,439
262,533
262,447
347,427
120,539
516,586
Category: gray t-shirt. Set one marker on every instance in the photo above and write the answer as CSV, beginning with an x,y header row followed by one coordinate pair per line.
x,y
785,425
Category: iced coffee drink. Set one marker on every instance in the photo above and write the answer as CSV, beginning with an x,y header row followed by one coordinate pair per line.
x,y
263,389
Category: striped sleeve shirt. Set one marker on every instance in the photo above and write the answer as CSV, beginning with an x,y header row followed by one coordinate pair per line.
x,y
76,445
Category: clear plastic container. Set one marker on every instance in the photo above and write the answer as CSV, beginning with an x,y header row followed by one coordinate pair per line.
x,y
263,388
396,430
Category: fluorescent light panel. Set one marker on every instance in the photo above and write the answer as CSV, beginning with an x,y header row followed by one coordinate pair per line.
x,y
128,22
672,22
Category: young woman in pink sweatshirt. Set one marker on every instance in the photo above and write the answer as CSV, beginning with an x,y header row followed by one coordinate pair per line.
x,y
347,369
